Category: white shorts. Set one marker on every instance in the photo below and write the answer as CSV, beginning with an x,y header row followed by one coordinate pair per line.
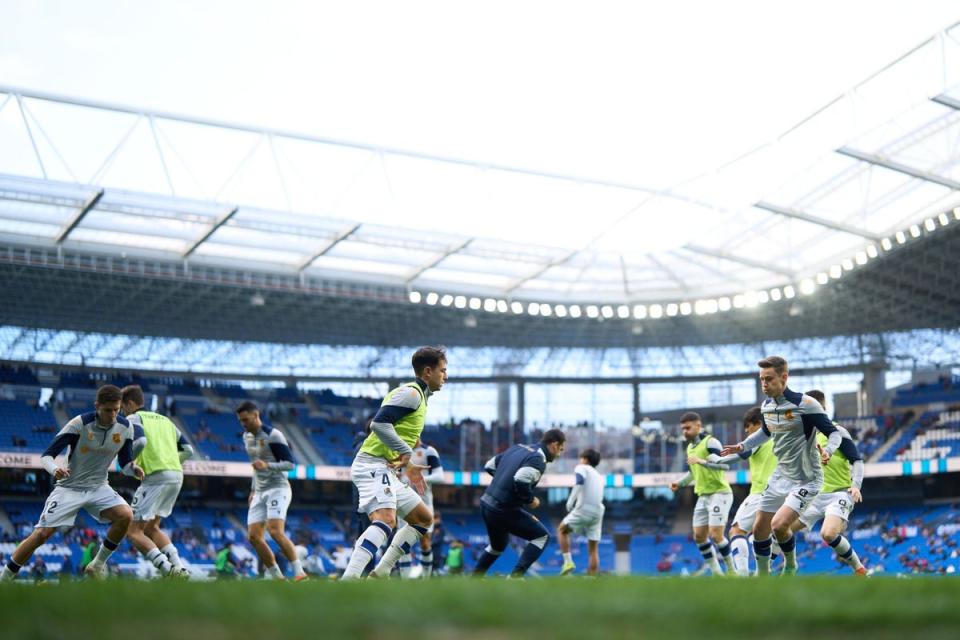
x,y
837,503
747,512
585,522
62,505
380,488
786,491
271,504
155,500
712,510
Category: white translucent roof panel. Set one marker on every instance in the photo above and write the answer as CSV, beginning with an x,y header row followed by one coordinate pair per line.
x,y
21,211
401,257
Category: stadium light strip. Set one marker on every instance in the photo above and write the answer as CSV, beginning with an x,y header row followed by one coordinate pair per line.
x,y
806,286
15,460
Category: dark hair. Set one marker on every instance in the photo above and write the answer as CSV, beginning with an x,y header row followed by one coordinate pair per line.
x,y
427,357
553,435
817,395
592,456
132,393
108,393
752,416
247,405
776,363
690,416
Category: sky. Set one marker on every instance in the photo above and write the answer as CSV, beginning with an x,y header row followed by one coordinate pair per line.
x,y
644,93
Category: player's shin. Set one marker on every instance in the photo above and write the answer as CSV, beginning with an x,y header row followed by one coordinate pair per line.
x,y
531,553
789,549
761,550
845,552
403,541
426,563
405,565
366,548
723,546
486,561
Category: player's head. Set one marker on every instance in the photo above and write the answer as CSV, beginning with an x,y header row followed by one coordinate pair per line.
x,y
818,395
590,457
107,404
131,398
690,425
553,442
430,365
248,413
752,420
773,375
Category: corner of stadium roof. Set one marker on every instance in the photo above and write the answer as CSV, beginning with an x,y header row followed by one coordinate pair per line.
x,y
226,214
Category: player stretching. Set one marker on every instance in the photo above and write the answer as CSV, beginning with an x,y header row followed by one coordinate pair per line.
x,y
762,463
94,439
387,450
714,495
427,457
842,479
585,517
160,460
270,492
515,473
790,418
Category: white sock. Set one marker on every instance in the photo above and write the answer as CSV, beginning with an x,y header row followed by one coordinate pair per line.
x,y
402,542
297,567
159,560
366,549
426,563
273,573
568,557
405,565
104,552
174,556
724,548
845,552
740,554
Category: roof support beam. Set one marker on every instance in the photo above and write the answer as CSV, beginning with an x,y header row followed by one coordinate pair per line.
x,y
457,249
947,101
222,220
539,272
898,167
756,264
823,222
330,245
79,216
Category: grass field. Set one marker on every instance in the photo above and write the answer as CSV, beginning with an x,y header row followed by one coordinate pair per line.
x,y
802,607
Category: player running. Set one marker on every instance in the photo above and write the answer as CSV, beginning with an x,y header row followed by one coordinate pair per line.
x,y
161,462
762,463
94,439
388,449
714,495
427,457
516,473
585,517
270,492
790,418
842,479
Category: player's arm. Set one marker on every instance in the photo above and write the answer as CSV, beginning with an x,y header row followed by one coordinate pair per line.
x,y
400,404
139,442
736,457
814,417
125,457
751,442
527,477
68,436
849,449
184,448
281,452
682,482
434,474
713,459
577,490
491,465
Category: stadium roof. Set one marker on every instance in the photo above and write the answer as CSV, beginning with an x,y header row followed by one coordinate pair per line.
x,y
99,178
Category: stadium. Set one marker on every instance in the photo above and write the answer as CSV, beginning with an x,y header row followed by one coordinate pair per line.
x,y
266,263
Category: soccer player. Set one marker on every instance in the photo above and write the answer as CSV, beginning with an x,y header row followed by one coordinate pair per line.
x,y
270,492
387,450
94,440
762,463
161,463
585,517
842,479
714,495
427,457
515,473
790,418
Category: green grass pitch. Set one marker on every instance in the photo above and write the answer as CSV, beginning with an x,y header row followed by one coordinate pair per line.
x,y
802,607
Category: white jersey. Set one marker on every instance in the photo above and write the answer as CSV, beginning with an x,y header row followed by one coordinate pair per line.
x,y
792,420
270,446
588,491
427,456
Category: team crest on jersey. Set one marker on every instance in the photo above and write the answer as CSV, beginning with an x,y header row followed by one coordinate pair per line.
x,y
84,449
90,435
789,414
116,438
387,492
